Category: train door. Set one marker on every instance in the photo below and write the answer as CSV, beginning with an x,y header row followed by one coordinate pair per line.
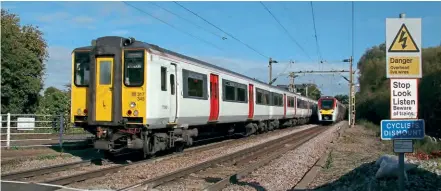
x,y
173,95
104,88
250,101
295,106
214,98
309,108
284,105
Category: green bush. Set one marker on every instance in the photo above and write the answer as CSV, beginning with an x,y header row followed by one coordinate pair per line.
x,y
369,125
427,145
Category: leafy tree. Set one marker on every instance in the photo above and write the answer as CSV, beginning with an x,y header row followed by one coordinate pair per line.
x,y
54,102
23,53
313,91
344,99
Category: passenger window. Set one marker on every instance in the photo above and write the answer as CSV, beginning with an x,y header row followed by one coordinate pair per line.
x,y
195,87
275,100
241,95
163,78
172,84
229,93
266,99
259,98
105,73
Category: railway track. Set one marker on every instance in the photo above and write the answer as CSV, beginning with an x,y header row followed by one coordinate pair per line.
x,y
29,174
100,172
218,173
66,180
47,170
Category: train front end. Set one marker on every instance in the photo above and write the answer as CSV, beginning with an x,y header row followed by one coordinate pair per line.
x,y
327,110
108,92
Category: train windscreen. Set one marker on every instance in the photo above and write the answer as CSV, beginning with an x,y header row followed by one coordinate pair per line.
x,y
81,72
134,68
327,104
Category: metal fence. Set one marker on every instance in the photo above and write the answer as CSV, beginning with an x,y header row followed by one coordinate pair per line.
x,y
34,130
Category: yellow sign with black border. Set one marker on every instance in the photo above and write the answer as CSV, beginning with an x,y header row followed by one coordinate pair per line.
x,y
403,41
403,48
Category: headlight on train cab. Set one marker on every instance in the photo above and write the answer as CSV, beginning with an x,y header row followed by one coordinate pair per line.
x,y
132,104
135,113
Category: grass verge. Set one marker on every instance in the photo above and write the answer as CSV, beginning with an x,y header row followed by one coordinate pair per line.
x,y
371,126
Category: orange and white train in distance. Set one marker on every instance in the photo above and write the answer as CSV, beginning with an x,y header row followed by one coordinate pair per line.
x,y
330,110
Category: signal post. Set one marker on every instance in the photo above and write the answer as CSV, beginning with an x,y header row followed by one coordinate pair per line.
x,y
403,67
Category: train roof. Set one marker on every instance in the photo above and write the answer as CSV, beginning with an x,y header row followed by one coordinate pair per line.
x,y
140,44
327,97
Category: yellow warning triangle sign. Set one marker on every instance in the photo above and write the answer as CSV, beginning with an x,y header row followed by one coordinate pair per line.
x,y
403,42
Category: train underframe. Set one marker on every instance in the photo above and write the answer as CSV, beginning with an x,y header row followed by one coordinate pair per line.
x,y
115,140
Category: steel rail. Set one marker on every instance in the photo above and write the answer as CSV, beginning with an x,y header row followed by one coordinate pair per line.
x,y
151,183
45,170
252,167
97,173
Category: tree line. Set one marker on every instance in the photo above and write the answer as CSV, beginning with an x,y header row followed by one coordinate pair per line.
x,y
24,53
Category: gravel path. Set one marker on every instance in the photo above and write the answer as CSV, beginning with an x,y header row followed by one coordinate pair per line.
x,y
135,174
353,166
284,173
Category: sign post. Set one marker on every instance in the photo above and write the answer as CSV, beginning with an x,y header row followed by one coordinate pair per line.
x,y
403,67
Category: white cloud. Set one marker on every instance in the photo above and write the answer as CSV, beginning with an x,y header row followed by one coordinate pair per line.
x,y
52,17
83,20
58,67
120,32
132,20
108,8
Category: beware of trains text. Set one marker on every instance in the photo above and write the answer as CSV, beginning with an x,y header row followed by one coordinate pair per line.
x,y
404,98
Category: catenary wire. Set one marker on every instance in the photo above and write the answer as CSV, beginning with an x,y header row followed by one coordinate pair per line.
x,y
319,54
221,30
151,15
189,21
286,31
